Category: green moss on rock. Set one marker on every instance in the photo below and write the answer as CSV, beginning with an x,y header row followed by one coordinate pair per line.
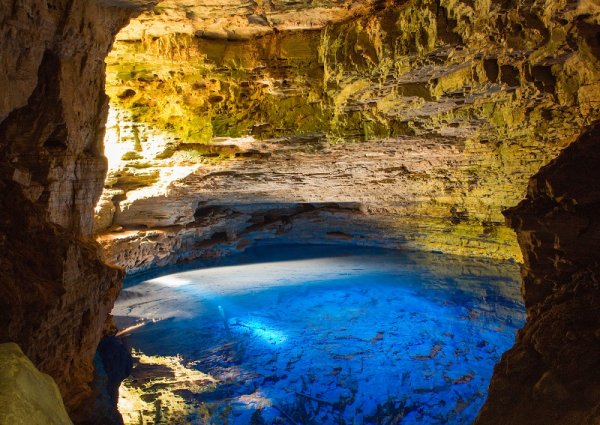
x,y
27,396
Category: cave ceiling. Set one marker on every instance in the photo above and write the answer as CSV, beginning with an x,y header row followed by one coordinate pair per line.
x,y
242,20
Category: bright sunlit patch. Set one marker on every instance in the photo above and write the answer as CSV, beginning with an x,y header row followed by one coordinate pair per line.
x,y
171,375
245,278
113,149
125,139
124,135
239,141
255,400
171,281
259,330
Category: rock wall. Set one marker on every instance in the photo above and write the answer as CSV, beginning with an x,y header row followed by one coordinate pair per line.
x,y
552,374
289,191
28,396
55,292
507,89
241,20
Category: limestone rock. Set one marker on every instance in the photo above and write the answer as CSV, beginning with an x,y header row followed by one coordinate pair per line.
x,y
510,90
299,191
240,20
27,396
551,375
55,292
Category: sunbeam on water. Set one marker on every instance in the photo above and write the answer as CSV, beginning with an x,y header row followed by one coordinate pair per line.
x,y
325,335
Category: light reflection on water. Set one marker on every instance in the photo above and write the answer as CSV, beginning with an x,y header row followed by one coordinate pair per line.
x,y
330,335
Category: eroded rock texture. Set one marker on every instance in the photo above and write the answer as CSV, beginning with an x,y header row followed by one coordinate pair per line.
x,y
552,375
501,88
55,292
242,20
288,191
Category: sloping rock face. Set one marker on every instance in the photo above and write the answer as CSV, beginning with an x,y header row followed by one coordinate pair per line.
x,y
242,20
503,86
552,374
28,396
289,191
55,292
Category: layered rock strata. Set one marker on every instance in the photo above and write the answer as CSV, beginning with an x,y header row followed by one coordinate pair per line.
x,y
242,20
510,89
297,190
552,374
55,292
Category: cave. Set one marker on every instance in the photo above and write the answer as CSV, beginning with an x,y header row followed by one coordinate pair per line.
x,y
300,212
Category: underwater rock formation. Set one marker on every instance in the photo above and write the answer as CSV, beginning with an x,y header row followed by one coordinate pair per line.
x,y
552,374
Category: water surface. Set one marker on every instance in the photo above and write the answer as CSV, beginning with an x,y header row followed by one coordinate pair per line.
x,y
328,335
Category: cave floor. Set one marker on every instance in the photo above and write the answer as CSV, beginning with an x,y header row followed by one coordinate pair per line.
x,y
317,335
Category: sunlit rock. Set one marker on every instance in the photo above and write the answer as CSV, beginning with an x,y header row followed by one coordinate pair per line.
x,y
498,93
27,396
238,20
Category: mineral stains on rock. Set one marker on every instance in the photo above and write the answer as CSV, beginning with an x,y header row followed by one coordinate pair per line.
x,y
506,91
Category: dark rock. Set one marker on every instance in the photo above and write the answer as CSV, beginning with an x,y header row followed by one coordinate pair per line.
x,y
55,291
552,374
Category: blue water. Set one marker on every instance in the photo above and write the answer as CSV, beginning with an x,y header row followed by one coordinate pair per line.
x,y
331,335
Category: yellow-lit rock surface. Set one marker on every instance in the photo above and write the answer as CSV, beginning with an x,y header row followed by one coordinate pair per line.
x,y
465,101
241,20
27,396
155,391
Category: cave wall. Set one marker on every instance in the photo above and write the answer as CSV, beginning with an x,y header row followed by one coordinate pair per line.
x,y
237,20
507,85
55,292
552,374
